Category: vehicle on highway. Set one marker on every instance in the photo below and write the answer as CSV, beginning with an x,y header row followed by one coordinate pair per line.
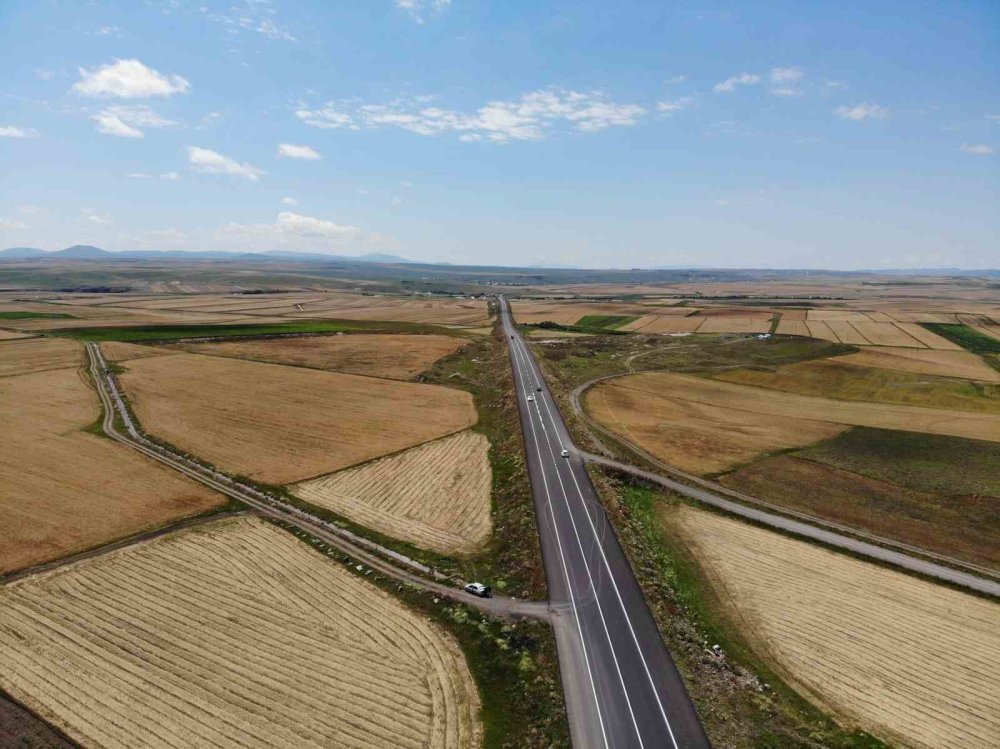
x,y
565,453
478,589
539,388
531,397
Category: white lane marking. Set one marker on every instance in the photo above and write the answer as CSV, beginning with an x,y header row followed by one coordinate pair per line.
x,y
569,585
607,565
583,555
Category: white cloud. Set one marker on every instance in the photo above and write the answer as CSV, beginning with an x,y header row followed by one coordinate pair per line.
x,y
530,117
417,9
251,15
670,108
128,79
170,176
979,149
94,217
289,201
140,175
9,223
211,162
107,31
786,76
785,91
863,111
125,121
291,229
11,131
291,151
676,79
743,79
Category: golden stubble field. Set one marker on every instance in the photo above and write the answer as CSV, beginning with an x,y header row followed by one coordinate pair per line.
x,y
910,661
63,490
234,634
27,355
280,424
398,357
706,426
436,495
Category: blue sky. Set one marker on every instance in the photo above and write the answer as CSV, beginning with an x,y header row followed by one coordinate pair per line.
x,y
778,134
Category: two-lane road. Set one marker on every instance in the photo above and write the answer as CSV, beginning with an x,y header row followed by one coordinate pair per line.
x,y
622,687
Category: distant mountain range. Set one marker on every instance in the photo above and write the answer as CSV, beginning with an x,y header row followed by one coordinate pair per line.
x,y
89,252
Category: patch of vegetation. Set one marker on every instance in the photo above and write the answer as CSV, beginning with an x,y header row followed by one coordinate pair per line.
x,y
741,701
578,360
924,462
144,333
609,322
513,663
970,339
549,325
23,315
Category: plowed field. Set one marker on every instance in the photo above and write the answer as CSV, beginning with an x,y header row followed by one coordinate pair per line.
x,y
281,424
399,357
436,495
234,635
913,662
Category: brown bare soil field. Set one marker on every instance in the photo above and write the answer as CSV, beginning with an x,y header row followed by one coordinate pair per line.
x,y
665,324
910,661
399,357
118,351
436,495
21,728
960,526
926,337
707,426
236,634
886,334
697,437
793,327
752,313
728,324
847,333
838,379
20,357
281,424
63,490
925,361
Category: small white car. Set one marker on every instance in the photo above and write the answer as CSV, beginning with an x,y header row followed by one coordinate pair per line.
x,y
478,589
531,397
565,453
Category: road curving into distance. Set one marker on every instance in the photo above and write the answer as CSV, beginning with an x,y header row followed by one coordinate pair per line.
x,y
622,687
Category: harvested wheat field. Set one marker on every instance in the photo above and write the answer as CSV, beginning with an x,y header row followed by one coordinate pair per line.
x,y
436,496
398,357
664,324
118,351
842,380
20,357
9,335
910,661
793,327
235,634
567,313
925,361
729,324
886,334
281,424
63,490
707,426
847,333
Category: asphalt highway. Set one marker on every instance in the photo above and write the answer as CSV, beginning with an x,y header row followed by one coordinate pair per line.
x,y
622,687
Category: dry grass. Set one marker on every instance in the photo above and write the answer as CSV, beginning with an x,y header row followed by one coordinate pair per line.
x,y
708,426
20,357
792,327
665,324
233,635
63,490
399,357
821,330
886,334
9,335
847,333
694,436
842,380
437,495
280,424
118,351
913,662
924,361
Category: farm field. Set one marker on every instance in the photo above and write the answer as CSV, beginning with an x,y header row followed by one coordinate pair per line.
x,y
835,378
24,356
280,424
285,652
922,361
436,496
7,335
913,662
398,357
707,426
63,490
119,351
